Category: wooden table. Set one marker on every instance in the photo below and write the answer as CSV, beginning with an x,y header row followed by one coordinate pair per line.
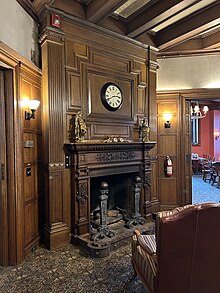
x,y
197,164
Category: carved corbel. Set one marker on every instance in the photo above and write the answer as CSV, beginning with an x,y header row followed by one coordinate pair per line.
x,y
53,35
81,193
147,182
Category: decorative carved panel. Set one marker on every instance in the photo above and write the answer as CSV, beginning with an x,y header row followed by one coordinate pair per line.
x,y
56,194
111,62
100,131
167,191
31,223
96,80
167,145
56,97
29,183
75,52
74,101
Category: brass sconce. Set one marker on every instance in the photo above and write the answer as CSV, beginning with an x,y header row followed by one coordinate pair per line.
x,y
167,118
32,105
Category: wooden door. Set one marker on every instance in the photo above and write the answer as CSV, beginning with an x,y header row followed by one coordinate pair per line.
x,y
3,177
186,151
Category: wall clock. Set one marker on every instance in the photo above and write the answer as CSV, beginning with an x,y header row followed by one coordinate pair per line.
x,y
111,96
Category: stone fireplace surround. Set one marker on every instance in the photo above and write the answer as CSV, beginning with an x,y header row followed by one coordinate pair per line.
x,y
117,165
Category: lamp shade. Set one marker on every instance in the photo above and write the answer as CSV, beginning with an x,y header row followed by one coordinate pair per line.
x,y
167,116
33,104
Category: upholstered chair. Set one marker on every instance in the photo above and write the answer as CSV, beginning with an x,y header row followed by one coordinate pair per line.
x,y
184,255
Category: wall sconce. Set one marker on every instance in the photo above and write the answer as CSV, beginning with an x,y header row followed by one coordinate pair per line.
x,y
33,105
167,117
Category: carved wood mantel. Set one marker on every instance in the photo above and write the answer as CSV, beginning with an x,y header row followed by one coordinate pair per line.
x,y
92,159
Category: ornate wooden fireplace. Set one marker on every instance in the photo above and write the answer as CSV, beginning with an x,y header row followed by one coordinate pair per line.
x,y
110,193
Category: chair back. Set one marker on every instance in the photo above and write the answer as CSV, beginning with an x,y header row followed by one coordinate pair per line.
x,y
188,251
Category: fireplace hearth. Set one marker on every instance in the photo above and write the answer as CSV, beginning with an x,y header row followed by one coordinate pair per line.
x,y
110,193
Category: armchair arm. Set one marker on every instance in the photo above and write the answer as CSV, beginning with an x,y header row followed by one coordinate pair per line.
x,y
144,258
147,242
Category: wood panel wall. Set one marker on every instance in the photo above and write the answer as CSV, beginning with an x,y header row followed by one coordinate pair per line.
x,y
24,195
77,60
176,142
168,145
30,87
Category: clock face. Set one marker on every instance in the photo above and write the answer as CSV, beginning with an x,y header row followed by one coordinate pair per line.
x,y
111,96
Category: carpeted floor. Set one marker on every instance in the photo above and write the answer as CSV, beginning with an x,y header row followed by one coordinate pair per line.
x,y
70,270
204,191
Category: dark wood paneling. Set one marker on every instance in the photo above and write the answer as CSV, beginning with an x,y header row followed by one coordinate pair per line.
x,y
77,61
31,223
167,191
22,80
100,131
168,145
96,80
56,96
55,103
56,194
74,101
111,62
141,101
75,52
29,183
32,156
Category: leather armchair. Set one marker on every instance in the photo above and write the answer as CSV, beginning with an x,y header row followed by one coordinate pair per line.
x,y
184,254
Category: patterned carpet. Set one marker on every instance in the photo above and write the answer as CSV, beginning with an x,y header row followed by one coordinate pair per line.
x,y
204,191
70,270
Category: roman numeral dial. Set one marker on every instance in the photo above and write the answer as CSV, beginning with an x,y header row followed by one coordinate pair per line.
x,y
111,96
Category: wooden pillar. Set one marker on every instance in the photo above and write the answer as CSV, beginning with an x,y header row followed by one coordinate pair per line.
x,y
56,230
152,200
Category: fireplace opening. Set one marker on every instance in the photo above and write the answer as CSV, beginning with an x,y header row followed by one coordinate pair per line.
x,y
118,204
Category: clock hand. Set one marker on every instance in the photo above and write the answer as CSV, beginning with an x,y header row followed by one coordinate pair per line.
x,y
112,97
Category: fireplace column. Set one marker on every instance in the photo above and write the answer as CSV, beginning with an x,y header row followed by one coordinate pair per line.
x,y
136,217
103,230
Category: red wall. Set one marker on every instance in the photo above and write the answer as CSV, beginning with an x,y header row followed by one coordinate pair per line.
x,y
206,129
217,130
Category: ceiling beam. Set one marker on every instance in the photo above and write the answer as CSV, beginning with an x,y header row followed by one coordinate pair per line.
x,y
189,27
28,7
156,14
211,41
98,10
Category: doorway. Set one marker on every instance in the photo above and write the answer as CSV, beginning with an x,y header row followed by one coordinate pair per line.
x,y
3,176
205,131
7,169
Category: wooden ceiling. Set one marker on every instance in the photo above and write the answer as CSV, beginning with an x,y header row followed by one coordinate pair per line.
x,y
169,25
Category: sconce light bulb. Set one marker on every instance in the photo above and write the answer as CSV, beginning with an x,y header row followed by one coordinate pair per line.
x,y
33,104
205,109
167,116
196,108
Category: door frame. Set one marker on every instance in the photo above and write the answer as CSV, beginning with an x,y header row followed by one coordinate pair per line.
x,y
186,96
13,212
3,179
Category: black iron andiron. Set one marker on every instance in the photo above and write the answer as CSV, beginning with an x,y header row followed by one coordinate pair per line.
x,y
103,230
136,217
